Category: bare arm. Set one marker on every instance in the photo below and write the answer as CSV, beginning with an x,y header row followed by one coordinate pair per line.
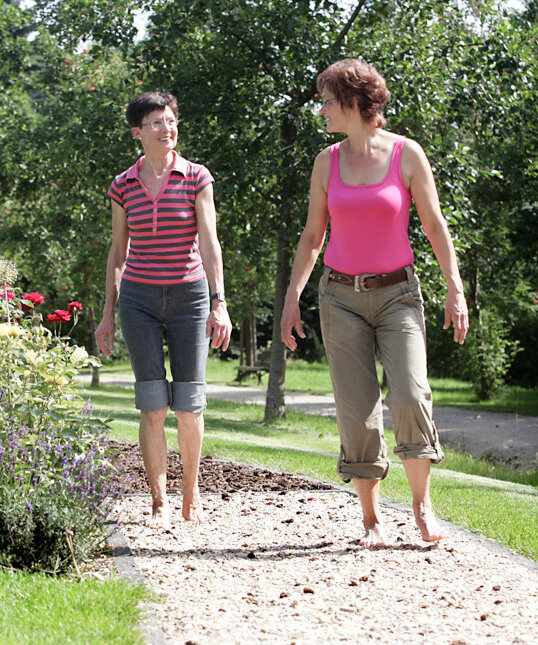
x,y
418,174
218,321
117,255
308,250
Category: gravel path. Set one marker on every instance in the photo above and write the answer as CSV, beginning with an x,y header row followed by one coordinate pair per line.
x,y
283,568
286,567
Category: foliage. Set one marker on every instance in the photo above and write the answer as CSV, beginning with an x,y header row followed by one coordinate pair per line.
x,y
54,498
463,81
53,490
489,355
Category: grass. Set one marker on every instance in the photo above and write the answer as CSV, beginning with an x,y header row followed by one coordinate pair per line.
x,y
488,499
314,378
36,608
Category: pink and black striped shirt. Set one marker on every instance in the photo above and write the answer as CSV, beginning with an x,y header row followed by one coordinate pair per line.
x,y
163,231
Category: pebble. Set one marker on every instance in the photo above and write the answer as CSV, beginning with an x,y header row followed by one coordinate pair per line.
x,y
259,578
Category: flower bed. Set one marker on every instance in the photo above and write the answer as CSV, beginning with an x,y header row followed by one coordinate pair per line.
x,y
54,490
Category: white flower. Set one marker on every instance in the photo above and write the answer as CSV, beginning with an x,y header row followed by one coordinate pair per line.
x,y
6,329
78,355
56,378
32,357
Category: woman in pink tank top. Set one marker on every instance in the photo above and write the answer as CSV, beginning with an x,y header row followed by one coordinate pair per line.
x,y
370,298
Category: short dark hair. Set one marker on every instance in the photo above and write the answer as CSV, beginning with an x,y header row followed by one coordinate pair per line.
x,y
352,78
142,105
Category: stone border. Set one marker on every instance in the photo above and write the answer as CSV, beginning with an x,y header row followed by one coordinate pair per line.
x,y
126,567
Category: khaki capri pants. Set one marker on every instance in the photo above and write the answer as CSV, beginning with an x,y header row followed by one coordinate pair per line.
x,y
353,325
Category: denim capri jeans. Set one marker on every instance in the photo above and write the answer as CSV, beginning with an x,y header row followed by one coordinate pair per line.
x,y
177,313
354,325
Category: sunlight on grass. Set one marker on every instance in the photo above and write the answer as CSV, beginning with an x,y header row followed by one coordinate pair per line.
x,y
314,378
35,608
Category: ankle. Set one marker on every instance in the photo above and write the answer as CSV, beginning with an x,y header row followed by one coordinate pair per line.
x,y
159,501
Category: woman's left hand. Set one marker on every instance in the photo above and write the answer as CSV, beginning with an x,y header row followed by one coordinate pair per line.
x,y
220,325
456,312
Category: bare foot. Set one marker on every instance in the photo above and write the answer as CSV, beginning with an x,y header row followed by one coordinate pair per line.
x,y
373,537
160,517
428,525
192,506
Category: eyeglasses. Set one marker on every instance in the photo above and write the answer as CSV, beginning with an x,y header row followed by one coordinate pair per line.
x,y
325,102
159,124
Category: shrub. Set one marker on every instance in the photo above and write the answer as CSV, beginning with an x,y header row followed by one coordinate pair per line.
x,y
488,354
54,499
53,468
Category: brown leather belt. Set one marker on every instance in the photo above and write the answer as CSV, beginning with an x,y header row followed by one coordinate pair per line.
x,y
370,281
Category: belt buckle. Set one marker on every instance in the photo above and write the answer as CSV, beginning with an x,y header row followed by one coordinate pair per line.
x,y
360,281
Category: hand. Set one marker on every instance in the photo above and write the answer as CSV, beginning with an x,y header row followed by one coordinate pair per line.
x,y
104,335
220,324
291,319
456,312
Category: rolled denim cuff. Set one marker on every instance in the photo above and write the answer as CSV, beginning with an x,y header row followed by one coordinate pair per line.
x,y
434,453
188,396
369,470
152,395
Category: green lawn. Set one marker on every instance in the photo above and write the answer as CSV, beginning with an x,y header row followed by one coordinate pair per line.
x,y
314,378
40,609
491,500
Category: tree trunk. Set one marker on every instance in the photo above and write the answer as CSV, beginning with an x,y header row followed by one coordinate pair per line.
x,y
96,371
275,406
248,341
251,345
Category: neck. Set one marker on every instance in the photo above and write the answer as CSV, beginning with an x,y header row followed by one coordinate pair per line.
x,y
363,137
159,164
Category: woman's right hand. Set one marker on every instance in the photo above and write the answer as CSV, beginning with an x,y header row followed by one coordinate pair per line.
x,y
104,335
291,319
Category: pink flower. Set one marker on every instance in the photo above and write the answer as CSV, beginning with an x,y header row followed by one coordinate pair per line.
x,y
59,315
34,297
74,306
6,293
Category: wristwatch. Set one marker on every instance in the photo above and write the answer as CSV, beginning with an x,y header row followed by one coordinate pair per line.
x,y
219,295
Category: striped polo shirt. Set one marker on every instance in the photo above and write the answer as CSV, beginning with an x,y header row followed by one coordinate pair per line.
x,y
163,244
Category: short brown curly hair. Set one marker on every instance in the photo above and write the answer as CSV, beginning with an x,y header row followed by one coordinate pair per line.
x,y
351,79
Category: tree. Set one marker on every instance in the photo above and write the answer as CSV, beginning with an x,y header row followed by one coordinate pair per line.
x,y
258,129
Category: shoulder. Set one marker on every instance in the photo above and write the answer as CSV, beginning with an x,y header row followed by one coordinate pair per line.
x,y
413,151
120,179
194,169
324,157
322,168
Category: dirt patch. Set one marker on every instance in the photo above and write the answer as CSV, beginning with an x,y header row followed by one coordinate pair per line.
x,y
216,476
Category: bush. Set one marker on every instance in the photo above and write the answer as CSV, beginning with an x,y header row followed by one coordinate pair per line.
x,y
53,467
488,354
54,499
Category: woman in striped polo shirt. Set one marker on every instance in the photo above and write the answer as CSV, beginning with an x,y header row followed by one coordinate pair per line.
x,y
164,252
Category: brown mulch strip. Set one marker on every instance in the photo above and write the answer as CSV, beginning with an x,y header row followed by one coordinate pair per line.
x,y
216,476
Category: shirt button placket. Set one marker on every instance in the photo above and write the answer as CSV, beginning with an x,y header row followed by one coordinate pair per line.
x,y
155,217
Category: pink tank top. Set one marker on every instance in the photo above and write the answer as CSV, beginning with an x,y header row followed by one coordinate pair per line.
x,y
369,223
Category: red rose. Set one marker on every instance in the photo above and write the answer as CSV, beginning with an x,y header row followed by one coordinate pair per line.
x,y
6,293
34,297
74,306
59,315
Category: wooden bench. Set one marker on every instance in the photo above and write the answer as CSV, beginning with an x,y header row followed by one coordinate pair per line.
x,y
243,370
